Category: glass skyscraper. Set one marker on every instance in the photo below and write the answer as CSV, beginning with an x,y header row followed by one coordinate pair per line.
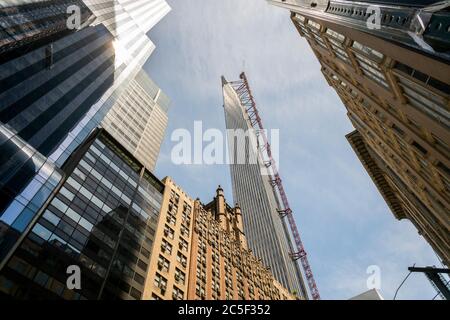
x,y
56,86
267,235
103,219
139,119
27,25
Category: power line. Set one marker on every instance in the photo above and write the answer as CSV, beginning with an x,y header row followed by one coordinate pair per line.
x,y
401,284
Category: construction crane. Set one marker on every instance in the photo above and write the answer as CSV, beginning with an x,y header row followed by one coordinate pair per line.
x,y
244,92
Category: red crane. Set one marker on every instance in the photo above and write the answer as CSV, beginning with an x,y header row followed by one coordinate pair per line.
x,y
244,92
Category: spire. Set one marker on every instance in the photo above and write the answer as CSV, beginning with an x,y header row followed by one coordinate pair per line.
x,y
224,81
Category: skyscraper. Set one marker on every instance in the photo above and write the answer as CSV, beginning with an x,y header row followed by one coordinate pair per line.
x,y
57,85
139,119
394,82
103,220
267,234
27,25
416,24
201,253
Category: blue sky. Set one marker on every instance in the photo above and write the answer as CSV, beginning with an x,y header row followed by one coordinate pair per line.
x,y
344,222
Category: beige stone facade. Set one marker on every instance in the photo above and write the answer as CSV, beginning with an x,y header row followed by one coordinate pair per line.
x,y
167,278
398,100
200,253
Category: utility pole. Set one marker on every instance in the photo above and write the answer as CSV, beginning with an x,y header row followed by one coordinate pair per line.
x,y
437,280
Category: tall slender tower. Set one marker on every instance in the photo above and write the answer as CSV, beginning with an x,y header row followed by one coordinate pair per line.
x,y
389,62
267,234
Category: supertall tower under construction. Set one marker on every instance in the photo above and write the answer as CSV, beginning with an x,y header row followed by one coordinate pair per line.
x,y
254,189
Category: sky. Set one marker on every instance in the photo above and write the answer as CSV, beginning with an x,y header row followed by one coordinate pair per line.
x,y
344,222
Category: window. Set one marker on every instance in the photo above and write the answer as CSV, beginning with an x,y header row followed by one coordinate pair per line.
x,y
86,224
418,147
146,253
160,282
156,297
41,278
371,53
51,217
181,258
425,100
183,245
184,231
371,69
177,294
441,86
61,206
169,232
142,265
163,264
200,291
73,215
66,193
399,131
187,209
139,279
135,293
42,232
335,35
180,276
171,219
166,247
313,25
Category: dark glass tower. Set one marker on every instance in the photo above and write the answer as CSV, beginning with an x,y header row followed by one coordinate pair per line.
x,y
41,100
29,25
103,219
56,86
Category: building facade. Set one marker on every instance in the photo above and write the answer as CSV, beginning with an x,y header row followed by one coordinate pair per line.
x,y
139,119
418,25
103,220
201,253
168,276
56,86
266,232
397,96
27,25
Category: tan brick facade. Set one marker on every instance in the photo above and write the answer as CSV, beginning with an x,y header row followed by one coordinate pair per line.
x,y
167,278
398,100
218,265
